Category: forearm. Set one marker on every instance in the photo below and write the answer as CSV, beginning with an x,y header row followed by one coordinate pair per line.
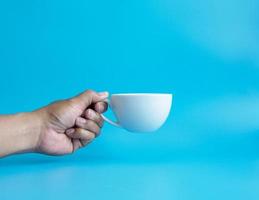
x,y
19,133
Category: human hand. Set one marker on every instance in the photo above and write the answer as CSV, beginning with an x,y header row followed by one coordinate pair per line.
x,y
68,125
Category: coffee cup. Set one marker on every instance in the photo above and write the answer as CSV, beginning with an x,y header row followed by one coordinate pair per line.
x,y
140,112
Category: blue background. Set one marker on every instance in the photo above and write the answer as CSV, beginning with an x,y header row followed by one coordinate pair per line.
x,y
204,52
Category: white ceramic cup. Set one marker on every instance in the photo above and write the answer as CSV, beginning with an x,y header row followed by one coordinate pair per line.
x,y
140,112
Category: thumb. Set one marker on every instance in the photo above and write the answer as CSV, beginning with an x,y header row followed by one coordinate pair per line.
x,y
89,97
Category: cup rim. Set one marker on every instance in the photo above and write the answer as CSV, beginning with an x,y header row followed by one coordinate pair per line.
x,y
142,94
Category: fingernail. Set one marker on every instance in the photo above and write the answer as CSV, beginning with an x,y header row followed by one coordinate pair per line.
x,y
103,94
70,131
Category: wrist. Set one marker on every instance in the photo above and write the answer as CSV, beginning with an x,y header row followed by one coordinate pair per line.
x,y
20,132
31,125
37,126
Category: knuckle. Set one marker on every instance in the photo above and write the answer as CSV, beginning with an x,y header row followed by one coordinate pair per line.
x,y
88,113
90,92
80,122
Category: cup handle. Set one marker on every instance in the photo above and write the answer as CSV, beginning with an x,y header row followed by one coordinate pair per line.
x,y
108,120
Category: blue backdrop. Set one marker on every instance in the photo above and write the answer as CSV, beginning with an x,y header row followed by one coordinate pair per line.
x,y
204,52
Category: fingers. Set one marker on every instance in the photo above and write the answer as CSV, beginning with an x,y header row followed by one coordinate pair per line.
x,y
80,137
100,107
78,143
81,134
85,142
94,116
89,97
87,125
86,129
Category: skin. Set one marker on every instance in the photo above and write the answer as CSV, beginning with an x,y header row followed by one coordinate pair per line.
x,y
57,129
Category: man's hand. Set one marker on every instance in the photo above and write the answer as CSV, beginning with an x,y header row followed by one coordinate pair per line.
x,y
68,125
